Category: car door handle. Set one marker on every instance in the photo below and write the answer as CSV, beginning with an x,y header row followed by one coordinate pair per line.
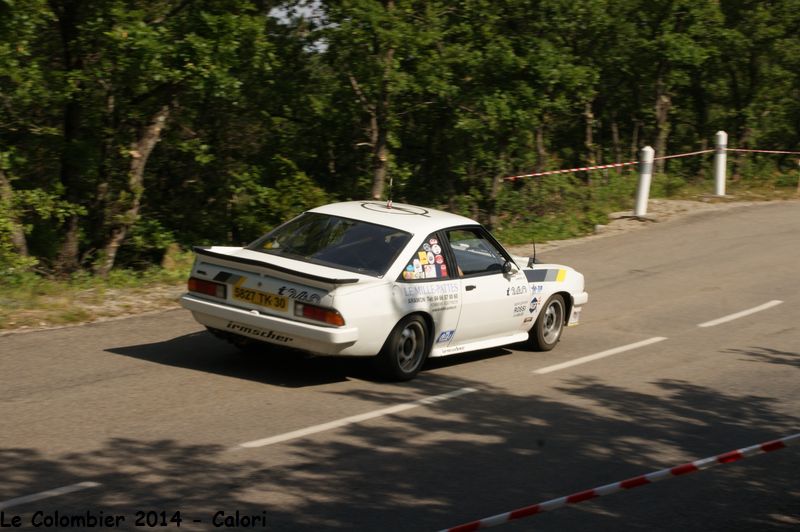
x,y
470,287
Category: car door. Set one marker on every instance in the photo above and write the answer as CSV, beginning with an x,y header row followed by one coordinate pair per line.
x,y
429,284
493,303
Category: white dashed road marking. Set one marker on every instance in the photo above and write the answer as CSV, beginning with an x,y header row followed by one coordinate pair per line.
x,y
47,494
355,419
597,356
741,314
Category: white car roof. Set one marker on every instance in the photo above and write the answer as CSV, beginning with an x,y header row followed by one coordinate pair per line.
x,y
410,218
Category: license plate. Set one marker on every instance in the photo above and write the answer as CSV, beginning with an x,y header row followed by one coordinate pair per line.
x,y
264,299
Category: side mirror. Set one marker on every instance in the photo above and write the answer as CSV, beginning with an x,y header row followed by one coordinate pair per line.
x,y
509,268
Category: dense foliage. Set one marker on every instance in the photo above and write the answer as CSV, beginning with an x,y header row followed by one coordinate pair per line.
x,y
127,125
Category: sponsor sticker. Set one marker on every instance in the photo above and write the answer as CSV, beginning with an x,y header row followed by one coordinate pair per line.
x,y
534,304
436,248
430,271
423,257
445,336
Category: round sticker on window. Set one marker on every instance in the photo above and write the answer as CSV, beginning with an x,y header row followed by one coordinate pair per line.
x,y
436,248
439,259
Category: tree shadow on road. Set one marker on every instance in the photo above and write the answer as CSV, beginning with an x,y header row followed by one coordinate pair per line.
x,y
483,453
770,356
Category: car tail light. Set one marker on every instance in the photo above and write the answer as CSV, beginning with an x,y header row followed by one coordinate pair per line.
x,y
316,313
209,288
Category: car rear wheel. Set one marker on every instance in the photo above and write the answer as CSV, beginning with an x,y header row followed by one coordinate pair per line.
x,y
405,350
548,327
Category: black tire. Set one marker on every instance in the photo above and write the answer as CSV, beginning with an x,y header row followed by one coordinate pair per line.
x,y
405,350
549,325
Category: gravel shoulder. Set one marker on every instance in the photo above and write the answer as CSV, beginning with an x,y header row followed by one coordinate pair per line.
x,y
658,211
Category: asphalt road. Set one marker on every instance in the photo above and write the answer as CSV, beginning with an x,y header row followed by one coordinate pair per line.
x,y
152,412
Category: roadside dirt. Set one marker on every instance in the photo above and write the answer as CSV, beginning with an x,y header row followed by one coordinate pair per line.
x,y
120,303
658,211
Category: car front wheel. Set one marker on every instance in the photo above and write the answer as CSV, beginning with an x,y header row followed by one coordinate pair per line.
x,y
548,327
405,350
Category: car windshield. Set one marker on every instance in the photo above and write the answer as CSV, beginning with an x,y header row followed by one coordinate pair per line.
x,y
337,242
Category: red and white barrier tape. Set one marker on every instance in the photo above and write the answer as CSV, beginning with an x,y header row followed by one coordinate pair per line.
x,y
681,155
763,151
634,482
629,163
582,169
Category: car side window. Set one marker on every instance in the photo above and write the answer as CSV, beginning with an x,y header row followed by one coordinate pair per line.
x,y
475,254
428,262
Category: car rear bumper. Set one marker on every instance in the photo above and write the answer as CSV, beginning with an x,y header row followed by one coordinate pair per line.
x,y
272,329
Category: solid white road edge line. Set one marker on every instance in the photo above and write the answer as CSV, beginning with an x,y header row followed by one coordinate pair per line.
x,y
602,354
741,314
355,419
48,494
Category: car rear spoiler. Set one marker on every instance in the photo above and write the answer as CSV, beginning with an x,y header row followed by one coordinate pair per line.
x,y
202,250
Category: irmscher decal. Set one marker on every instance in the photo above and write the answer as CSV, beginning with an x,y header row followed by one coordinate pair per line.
x,y
456,349
445,336
267,335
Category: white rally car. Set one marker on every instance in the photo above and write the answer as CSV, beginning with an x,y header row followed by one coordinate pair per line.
x,y
365,278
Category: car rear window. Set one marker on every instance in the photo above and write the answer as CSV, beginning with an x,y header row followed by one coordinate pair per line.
x,y
337,242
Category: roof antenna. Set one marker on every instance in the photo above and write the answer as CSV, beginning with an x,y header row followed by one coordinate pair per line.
x,y
389,201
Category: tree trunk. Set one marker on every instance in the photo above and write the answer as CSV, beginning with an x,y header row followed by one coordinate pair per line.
x,y
588,142
69,16
541,151
380,151
497,185
588,114
140,152
741,158
663,105
380,148
17,232
616,146
635,140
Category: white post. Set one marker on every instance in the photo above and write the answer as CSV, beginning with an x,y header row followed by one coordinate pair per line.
x,y
645,176
720,162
